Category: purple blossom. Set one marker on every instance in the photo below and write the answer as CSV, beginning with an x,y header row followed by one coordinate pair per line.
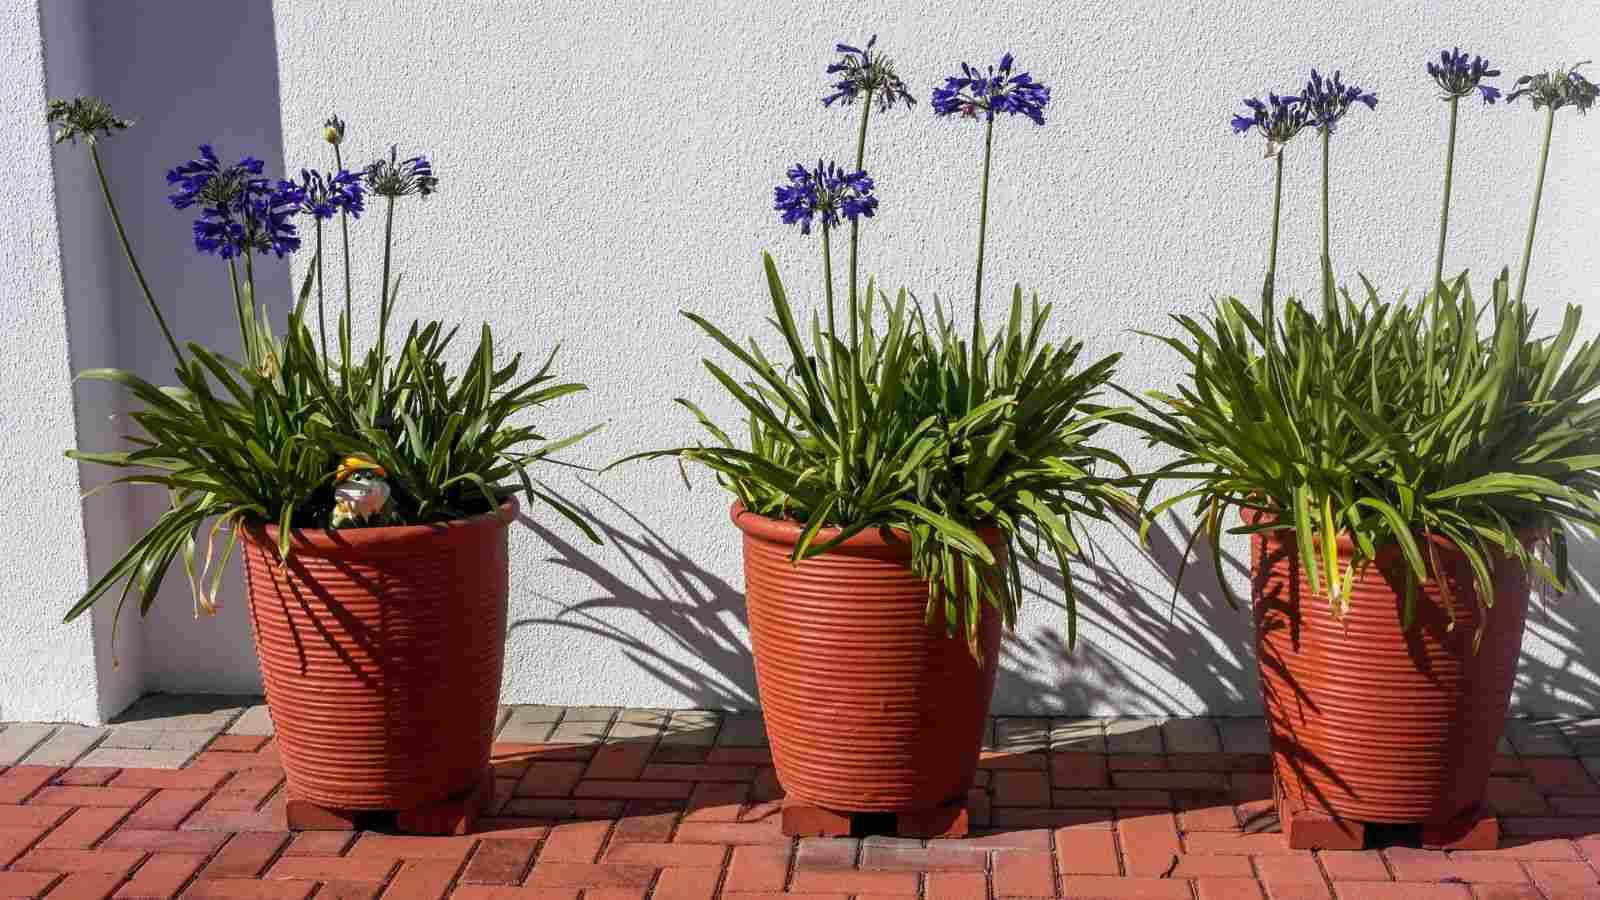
x,y
827,192
1457,76
240,211
394,177
865,73
994,91
325,195
1278,119
1326,100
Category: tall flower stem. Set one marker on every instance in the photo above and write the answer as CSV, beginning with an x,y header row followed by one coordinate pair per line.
x,y
827,290
383,303
238,311
127,250
322,319
250,313
1272,246
1538,194
983,230
344,228
1326,136
1444,207
855,224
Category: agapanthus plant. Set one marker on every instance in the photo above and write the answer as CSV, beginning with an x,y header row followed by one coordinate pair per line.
x,y
1326,101
1457,77
1550,91
1394,424
912,427
277,437
1279,119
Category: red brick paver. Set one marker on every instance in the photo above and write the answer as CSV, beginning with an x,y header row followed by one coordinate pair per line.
x,y
639,819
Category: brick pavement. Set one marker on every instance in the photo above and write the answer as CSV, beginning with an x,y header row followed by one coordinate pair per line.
x,y
596,803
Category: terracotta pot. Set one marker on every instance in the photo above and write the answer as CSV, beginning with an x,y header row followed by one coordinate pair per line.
x,y
381,651
1370,721
868,708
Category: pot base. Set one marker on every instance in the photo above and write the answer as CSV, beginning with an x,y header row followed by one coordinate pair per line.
x,y
452,816
801,819
1308,828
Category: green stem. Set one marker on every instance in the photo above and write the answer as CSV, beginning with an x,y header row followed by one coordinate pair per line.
x,y
127,250
1272,247
322,319
1326,134
344,227
827,277
1444,207
983,232
1538,194
238,309
855,224
383,303
250,293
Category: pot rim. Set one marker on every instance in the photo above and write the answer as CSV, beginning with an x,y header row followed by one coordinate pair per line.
x,y
1345,544
880,541
383,539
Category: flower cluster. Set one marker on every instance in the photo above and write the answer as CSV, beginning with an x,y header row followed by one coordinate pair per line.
x,y
394,177
240,211
1556,89
995,91
324,195
826,191
869,74
333,130
1326,100
83,117
1279,119
1457,76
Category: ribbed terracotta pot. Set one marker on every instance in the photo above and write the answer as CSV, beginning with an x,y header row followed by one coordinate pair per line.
x,y
381,651
1370,721
868,708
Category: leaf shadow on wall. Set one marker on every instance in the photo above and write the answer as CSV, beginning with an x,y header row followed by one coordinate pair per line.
x,y
696,642
1138,651
696,619
1559,673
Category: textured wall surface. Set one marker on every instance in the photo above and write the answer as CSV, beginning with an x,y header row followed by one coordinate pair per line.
x,y
47,669
605,166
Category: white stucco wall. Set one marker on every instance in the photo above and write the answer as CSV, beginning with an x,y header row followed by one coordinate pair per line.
x,y
48,670
605,165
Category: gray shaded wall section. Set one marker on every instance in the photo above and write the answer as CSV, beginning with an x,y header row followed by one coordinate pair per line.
x,y
187,74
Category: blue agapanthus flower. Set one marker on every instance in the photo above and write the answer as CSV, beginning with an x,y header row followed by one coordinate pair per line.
x,y
1458,76
240,211
325,195
827,191
1556,89
395,177
1278,119
990,92
261,223
1326,100
866,73
206,180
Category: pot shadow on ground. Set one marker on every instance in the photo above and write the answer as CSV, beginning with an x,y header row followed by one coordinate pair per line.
x,y
1139,650
699,615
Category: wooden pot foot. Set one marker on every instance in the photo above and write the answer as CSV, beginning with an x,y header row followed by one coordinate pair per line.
x,y
802,819
1307,828
453,815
